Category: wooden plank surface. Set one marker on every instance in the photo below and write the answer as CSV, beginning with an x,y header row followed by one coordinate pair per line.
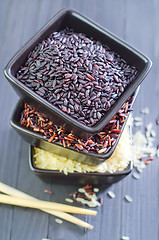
x,y
136,22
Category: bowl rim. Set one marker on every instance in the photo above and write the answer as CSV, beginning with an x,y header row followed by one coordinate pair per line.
x,y
111,112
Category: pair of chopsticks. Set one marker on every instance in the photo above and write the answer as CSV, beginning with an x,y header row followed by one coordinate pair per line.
x,y
18,198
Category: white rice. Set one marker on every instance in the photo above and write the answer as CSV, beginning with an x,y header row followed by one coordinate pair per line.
x,y
125,238
59,221
128,198
111,194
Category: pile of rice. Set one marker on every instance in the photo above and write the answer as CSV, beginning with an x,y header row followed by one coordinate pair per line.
x,y
119,161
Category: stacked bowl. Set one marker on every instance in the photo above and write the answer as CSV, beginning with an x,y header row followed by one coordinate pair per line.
x,y
77,83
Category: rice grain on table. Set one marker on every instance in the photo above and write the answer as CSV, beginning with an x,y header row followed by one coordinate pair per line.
x,y
143,147
59,221
111,194
69,200
145,110
128,198
125,238
136,175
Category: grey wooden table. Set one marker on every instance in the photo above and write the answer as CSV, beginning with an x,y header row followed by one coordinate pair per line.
x,y
137,23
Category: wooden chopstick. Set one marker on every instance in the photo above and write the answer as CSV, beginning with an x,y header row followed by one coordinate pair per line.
x,y
16,193
44,204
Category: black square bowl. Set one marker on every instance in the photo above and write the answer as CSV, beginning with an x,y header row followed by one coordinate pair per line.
x,y
73,20
94,178
38,140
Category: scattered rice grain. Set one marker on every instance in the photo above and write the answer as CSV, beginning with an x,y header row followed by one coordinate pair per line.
x,y
81,190
148,130
96,190
111,194
140,170
153,133
92,203
142,147
125,238
69,200
157,121
48,191
136,175
145,110
138,119
128,198
138,124
59,221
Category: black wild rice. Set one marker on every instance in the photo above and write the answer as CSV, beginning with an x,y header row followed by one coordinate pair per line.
x,y
76,74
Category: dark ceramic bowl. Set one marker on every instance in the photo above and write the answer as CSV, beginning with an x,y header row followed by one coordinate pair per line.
x,y
37,140
72,19
94,178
